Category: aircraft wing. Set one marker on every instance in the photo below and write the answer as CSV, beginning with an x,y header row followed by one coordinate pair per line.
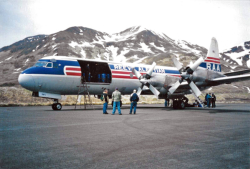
x,y
237,73
230,79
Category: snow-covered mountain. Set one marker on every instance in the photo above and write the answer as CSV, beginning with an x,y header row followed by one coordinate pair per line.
x,y
135,44
239,54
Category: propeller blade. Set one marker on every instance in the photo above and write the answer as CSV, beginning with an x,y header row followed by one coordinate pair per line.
x,y
177,64
137,74
139,91
154,90
174,87
195,89
150,71
196,64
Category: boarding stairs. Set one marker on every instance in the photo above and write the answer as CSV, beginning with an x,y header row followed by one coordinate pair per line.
x,y
83,91
198,99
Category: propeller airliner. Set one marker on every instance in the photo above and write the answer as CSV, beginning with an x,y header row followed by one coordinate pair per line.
x,y
54,76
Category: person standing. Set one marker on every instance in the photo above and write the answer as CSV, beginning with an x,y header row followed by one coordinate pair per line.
x,y
213,99
116,97
106,101
166,102
133,99
208,100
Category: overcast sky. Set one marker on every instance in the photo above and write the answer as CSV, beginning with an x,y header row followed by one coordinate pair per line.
x,y
195,21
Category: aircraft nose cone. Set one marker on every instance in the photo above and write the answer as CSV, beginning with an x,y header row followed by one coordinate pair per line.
x,y
26,81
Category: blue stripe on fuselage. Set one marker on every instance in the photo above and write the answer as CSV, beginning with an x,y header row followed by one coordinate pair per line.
x,y
51,71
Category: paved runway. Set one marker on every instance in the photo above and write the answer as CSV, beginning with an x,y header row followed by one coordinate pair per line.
x,y
157,137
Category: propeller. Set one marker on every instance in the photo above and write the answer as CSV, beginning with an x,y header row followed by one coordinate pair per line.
x,y
186,74
145,80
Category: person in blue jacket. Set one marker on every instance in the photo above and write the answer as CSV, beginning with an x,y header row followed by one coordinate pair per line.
x,y
134,99
208,99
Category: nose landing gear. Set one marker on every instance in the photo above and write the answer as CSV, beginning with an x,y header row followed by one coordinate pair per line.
x,y
56,105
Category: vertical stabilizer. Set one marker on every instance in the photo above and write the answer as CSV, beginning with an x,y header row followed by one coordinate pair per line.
x,y
212,61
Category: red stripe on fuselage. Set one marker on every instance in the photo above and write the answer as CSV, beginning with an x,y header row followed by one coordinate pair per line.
x,y
73,74
212,61
73,68
218,59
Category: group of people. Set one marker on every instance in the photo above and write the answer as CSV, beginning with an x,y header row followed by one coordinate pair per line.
x,y
116,97
210,99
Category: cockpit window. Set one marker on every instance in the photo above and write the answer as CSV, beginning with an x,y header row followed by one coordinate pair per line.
x,y
43,64
49,65
40,64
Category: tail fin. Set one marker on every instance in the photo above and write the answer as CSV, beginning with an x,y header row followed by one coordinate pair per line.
x,y
212,61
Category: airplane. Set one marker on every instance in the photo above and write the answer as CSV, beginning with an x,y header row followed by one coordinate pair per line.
x,y
54,76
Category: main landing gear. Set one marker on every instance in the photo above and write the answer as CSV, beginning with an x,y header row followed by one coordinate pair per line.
x,y
180,103
56,105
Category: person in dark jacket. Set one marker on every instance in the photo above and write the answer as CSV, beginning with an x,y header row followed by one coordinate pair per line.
x,y
105,101
213,99
133,99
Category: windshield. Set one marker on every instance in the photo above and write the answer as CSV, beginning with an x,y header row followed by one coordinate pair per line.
x,y
43,64
40,64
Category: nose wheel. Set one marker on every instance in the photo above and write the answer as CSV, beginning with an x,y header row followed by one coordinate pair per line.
x,y
56,106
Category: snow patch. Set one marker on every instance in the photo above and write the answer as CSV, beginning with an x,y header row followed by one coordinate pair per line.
x,y
17,69
235,86
53,38
247,88
55,54
83,53
233,67
9,58
159,48
140,60
54,46
84,44
210,88
145,48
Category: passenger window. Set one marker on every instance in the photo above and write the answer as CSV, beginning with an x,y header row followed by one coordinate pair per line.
x,y
49,65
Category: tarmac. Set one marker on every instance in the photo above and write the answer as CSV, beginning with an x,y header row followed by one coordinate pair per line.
x,y
156,137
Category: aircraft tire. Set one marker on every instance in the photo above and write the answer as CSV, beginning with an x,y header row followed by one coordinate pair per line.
x,y
54,106
58,106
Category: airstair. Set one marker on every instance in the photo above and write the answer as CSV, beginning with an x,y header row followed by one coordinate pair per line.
x,y
198,99
83,91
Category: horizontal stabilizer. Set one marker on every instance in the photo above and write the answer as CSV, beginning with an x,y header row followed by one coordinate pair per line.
x,y
237,73
230,79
